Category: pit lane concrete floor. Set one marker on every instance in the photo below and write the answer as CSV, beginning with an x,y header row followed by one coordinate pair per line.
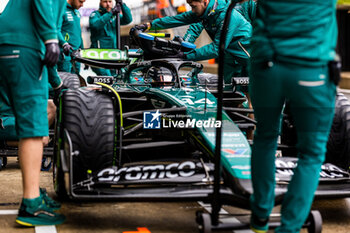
x,y
128,217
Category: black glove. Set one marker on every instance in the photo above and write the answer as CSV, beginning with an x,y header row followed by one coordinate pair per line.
x,y
117,8
52,54
57,93
144,27
178,39
179,55
67,48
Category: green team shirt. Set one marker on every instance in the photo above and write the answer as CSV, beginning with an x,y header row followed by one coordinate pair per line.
x,y
54,16
238,34
70,30
308,38
246,9
103,27
28,23
60,7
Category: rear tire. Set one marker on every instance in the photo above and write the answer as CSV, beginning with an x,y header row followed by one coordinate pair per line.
x,y
89,117
70,81
338,146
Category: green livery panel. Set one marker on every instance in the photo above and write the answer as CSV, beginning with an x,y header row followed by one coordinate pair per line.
x,y
201,106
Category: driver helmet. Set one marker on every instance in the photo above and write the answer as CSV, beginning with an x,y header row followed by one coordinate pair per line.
x,y
159,76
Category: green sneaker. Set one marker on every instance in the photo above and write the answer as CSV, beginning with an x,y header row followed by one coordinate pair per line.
x,y
259,225
35,212
54,205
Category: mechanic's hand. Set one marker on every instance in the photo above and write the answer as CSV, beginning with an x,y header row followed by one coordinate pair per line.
x,y
117,8
178,38
179,55
52,54
67,48
57,93
144,27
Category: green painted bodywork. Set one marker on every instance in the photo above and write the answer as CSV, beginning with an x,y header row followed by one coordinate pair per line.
x,y
200,105
235,147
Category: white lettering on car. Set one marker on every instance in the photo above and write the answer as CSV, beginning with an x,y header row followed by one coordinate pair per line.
x,y
157,171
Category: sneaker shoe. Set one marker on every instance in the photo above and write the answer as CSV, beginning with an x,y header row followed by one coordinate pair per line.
x,y
34,212
259,225
54,205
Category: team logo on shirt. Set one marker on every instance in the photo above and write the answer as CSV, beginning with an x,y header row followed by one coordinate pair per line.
x,y
69,16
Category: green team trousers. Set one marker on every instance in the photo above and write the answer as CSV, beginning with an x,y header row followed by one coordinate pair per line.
x,y
23,90
311,96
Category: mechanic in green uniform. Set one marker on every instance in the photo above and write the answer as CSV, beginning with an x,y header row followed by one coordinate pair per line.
x,y
70,38
103,27
247,10
29,43
211,14
291,63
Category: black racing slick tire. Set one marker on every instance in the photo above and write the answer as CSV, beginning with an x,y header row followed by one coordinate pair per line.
x,y
338,145
89,118
70,81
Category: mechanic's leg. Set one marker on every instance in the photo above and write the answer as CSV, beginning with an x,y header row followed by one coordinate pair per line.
x,y
267,101
250,133
51,111
30,156
8,132
231,69
312,99
27,84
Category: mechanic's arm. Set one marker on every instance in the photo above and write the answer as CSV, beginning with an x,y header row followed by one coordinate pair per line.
x,y
212,50
54,78
247,10
45,22
193,32
174,21
126,17
61,39
98,22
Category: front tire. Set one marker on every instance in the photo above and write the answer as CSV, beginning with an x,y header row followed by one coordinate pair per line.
x,y
89,118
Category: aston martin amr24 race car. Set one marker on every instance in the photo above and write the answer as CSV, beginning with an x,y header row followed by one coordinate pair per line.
x,y
149,132
149,135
